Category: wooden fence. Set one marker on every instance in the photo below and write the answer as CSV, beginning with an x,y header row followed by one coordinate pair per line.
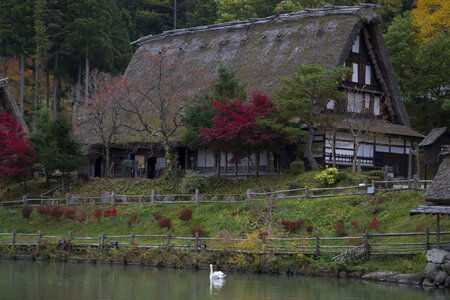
x,y
251,195
371,244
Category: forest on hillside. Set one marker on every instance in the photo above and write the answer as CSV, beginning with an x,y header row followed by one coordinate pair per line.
x,y
48,46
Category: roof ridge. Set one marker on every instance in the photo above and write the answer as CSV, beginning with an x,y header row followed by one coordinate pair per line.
x,y
333,9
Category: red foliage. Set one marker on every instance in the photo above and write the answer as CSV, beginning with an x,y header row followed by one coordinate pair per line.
x,y
355,224
200,230
236,128
79,216
98,213
43,210
292,227
165,223
56,212
309,229
374,224
186,214
16,151
26,211
69,212
157,215
110,212
133,219
339,228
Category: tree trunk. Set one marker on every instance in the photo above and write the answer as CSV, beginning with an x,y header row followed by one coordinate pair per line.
x,y
235,170
22,82
107,173
25,188
63,188
86,79
168,158
217,164
47,178
257,159
47,83
355,155
55,85
36,86
308,148
4,61
333,149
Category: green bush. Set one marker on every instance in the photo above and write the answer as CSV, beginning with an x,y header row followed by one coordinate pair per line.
x,y
297,167
191,181
381,175
329,176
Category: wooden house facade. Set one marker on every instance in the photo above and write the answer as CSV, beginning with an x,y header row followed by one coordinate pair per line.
x,y
262,50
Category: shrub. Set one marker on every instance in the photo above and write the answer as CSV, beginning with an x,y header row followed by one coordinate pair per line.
x,y
98,213
133,219
69,212
191,181
297,167
374,224
292,227
43,210
157,215
199,230
380,175
309,229
110,212
186,214
339,228
165,223
286,224
355,224
329,176
56,212
26,211
263,234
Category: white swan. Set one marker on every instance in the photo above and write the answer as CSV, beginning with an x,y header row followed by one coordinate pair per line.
x,y
215,275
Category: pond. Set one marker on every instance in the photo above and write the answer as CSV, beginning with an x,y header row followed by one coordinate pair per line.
x,y
39,280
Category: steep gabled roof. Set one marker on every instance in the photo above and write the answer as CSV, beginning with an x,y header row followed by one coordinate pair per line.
x,y
7,103
433,136
439,191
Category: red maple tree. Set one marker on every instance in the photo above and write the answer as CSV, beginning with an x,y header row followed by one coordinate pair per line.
x,y
18,157
238,131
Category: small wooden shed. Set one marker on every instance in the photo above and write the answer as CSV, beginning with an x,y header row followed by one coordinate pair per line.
x,y
432,145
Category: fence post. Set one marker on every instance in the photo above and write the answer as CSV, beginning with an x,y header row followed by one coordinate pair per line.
x,y
69,235
39,236
264,238
13,242
427,239
248,195
132,238
373,186
112,198
367,245
102,239
196,196
153,196
168,239
24,200
317,244
196,242
67,199
416,183
306,192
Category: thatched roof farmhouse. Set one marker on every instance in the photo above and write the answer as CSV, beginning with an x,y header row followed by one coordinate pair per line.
x,y
262,50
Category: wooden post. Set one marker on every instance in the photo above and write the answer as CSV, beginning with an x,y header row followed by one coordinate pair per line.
x,y
306,192
317,244
196,241
248,195
153,196
132,238
418,162
416,183
13,242
427,239
264,238
410,167
386,177
69,235
67,199
112,198
373,187
168,239
39,236
197,196
437,233
102,240
24,200
366,241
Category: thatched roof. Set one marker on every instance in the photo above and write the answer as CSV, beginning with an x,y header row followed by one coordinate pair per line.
x,y
435,134
262,50
439,192
431,210
8,104
382,127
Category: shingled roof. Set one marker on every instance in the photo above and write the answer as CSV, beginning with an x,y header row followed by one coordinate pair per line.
x,y
261,50
7,103
439,192
433,136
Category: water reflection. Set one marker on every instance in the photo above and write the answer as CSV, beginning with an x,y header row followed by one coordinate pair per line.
x,y
27,280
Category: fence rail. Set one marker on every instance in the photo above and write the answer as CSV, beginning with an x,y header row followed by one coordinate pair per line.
x,y
343,246
111,198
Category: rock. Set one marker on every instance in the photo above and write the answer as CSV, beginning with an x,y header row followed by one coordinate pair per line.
x,y
427,283
447,282
214,198
431,270
446,267
379,276
413,279
440,278
23,257
280,196
229,198
106,197
437,256
446,247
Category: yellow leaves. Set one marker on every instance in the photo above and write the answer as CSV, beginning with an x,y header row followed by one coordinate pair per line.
x,y
432,17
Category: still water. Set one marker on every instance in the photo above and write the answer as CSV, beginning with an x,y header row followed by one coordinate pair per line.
x,y
35,280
